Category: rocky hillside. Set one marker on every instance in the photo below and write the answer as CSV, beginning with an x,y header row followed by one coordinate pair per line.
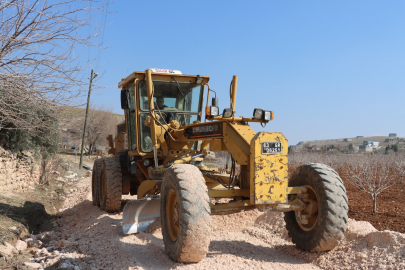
x,y
18,172
100,122
344,142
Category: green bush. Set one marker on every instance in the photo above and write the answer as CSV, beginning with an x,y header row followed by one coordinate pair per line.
x,y
40,133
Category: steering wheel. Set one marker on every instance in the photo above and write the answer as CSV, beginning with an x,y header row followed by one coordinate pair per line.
x,y
161,116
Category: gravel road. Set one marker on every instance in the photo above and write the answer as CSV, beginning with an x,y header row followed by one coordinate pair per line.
x,y
88,238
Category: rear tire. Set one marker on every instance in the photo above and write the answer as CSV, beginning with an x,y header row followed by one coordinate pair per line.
x,y
326,231
95,182
185,214
111,185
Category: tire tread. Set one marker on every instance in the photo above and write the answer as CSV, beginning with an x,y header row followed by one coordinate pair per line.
x,y
193,240
113,185
332,218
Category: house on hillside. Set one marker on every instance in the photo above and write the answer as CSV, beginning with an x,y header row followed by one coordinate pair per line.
x,y
372,144
390,139
359,137
347,139
365,148
392,135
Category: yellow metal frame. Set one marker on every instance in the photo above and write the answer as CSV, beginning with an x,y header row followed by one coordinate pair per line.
x,y
147,75
216,193
265,179
148,187
269,172
233,207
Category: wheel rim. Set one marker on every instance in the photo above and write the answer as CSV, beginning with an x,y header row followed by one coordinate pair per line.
x,y
308,217
172,214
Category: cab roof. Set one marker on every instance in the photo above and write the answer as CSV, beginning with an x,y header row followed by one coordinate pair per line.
x,y
161,74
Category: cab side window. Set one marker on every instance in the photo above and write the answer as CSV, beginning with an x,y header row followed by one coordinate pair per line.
x,y
131,118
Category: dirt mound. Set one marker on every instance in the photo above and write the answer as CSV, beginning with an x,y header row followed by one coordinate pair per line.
x,y
363,248
356,229
385,239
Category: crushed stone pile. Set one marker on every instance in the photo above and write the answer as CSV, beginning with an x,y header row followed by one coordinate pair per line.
x,y
364,247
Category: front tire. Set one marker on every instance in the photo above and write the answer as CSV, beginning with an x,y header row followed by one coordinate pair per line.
x,y
185,214
326,224
111,185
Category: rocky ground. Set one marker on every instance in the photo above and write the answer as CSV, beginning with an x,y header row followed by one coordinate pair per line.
x,y
83,237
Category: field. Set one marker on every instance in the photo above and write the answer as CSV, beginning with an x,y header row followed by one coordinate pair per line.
x,y
390,208
372,172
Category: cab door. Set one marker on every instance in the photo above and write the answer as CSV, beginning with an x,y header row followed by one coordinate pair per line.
x,y
131,119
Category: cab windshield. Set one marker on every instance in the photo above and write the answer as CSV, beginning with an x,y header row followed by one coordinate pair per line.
x,y
172,96
181,102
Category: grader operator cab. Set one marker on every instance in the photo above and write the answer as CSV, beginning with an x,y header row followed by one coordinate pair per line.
x,y
159,153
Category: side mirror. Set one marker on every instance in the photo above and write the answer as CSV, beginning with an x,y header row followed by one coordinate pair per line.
x,y
124,99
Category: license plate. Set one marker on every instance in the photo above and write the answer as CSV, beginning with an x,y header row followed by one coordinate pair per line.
x,y
271,147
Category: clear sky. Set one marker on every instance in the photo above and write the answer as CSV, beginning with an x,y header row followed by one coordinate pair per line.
x,y
328,69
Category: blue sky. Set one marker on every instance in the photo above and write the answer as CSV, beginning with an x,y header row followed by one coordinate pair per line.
x,y
328,69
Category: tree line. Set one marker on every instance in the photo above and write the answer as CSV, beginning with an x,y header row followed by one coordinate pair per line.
x,y
41,68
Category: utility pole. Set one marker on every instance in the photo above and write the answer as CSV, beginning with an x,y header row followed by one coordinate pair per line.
x,y
85,118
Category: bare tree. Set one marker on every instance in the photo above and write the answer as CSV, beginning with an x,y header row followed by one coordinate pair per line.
x,y
400,166
100,123
371,174
40,63
334,160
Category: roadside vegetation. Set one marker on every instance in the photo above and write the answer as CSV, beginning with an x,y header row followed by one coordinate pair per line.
x,y
40,69
42,74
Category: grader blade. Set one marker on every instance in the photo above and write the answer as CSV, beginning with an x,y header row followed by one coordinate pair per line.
x,y
139,214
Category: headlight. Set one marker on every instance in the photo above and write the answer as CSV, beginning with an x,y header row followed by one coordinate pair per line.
x,y
214,111
227,113
261,114
146,162
257,113
268,115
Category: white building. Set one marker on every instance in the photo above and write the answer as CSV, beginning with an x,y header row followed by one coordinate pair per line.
x,y
371,144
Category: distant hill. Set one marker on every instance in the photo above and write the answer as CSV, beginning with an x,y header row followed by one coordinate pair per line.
x,y
356,141
74,111
72,122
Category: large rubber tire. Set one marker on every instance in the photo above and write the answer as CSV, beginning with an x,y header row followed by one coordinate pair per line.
x,y
123,158
95,182
332,208
187,241
111,185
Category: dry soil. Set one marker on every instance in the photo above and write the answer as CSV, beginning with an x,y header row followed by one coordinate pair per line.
x,y
84,237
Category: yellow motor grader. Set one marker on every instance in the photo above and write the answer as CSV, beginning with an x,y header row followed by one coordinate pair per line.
x,y
158,156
